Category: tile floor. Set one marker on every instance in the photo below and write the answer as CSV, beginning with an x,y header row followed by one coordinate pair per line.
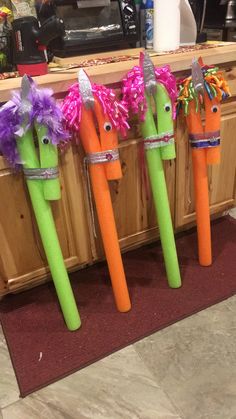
x,y
186,371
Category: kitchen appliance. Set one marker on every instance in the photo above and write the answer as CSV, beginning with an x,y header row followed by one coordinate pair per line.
x,y
92,25
221,18
216,11
30,41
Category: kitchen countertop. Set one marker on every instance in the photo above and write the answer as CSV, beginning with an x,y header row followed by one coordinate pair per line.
x,y
112,73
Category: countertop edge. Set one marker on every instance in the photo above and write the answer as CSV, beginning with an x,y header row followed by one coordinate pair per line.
x,y
114,72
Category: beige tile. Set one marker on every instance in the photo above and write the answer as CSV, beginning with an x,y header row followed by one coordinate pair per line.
x,y
119,386
9,391
194,361
232,212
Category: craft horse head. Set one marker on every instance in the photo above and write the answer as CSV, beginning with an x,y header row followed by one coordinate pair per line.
x,y
143,84
204,89
93,111
29,122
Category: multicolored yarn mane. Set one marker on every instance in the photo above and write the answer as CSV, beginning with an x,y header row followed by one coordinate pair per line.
x,y
133,89
116,110
44,110
214,83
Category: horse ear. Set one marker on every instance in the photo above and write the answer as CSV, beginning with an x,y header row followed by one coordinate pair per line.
x,y
200,61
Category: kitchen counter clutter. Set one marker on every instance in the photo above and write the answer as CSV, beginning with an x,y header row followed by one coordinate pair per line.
x,y
59,79
22,259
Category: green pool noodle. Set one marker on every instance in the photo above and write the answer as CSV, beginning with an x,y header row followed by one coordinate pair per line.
x,y
45,221
161,201
48,158
165,121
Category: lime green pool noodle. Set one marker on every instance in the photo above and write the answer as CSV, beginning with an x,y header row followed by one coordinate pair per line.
x,y
164,121
48,158
161,201
45,221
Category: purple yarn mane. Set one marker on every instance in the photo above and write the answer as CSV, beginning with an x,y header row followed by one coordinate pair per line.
x,y
44,111
116,110
133,89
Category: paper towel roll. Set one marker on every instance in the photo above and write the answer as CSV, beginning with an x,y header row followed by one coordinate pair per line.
x,y
166,25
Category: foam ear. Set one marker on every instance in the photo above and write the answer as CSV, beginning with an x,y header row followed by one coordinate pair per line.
x,y
109,141
164,119
148,127
48,157
193,119
212,124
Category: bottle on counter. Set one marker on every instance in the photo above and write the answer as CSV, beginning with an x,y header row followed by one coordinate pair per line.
x,y
149,21
137,5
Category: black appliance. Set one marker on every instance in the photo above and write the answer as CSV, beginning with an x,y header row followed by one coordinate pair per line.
x,y
221,15
216,11
30,41
92,25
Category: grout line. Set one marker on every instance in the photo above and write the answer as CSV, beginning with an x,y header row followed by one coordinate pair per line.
x,y
179,412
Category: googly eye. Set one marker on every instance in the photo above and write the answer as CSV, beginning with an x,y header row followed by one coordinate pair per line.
x,y
167,107
214,108
107,126
45,140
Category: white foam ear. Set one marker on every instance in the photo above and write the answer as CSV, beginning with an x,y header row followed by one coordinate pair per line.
x,y
188,26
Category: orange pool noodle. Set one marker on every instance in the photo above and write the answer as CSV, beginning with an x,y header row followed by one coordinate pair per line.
x,y
212,124
99,173
108,140
201,189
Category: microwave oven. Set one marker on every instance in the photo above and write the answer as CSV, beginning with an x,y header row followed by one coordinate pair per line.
x,y
92,25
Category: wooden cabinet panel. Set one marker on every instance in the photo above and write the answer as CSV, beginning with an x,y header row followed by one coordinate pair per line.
x,y
134,213
22,258
221,177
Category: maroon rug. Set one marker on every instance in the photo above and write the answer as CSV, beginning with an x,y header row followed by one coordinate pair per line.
x,y
34,328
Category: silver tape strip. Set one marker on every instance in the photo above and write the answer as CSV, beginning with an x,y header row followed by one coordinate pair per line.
x,y
102,157
41,174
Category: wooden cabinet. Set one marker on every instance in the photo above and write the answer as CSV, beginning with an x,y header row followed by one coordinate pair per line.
x,y
133,205
22,259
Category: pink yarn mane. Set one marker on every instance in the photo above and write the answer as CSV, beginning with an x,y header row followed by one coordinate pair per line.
x,y
116,110
133,89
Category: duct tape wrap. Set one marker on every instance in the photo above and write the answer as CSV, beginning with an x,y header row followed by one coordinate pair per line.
x,y
205,140
161,140
41,174
106,156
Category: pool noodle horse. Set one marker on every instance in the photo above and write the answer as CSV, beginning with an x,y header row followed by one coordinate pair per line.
x,y
142,85
85,107
36,110
204,89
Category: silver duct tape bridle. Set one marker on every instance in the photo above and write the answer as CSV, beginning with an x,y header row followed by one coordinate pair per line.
x,y
205,140
107,156
161,140
41,174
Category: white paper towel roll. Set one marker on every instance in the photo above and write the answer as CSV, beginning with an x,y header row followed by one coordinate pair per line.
x,y
166,25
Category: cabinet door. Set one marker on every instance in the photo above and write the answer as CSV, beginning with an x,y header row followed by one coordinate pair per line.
x,y
133,207
22,258
221,177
